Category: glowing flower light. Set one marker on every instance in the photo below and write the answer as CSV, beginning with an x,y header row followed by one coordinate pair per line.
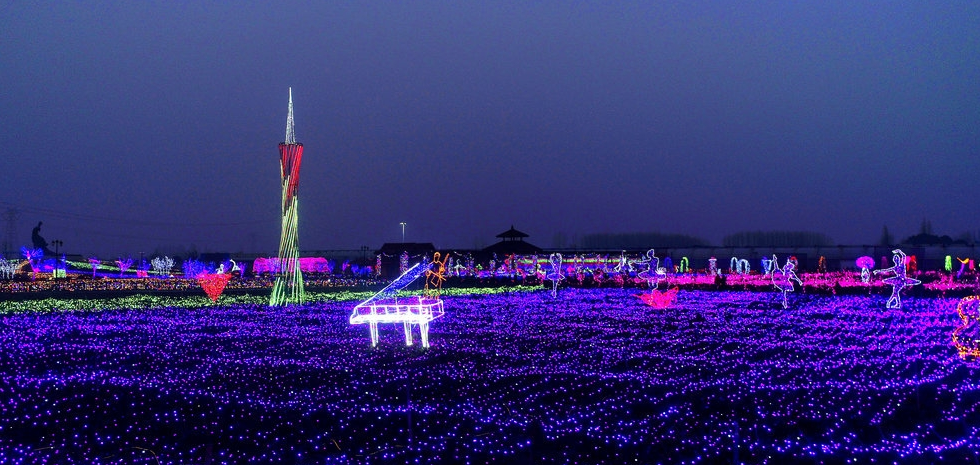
x,y
900,280
660,300
865,263
387,307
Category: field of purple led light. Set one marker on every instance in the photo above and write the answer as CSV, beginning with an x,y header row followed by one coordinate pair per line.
x,y
593,376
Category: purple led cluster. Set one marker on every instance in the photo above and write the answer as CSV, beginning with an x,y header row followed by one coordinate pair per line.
x,y
596,376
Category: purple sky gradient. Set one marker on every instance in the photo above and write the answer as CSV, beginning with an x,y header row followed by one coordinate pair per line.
x,y
131,127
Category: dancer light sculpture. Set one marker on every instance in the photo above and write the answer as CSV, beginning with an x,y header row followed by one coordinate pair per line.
x,y
900,280
555,276
288,287
783,278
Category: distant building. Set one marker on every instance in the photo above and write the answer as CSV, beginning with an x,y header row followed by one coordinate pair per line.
x,y
512,242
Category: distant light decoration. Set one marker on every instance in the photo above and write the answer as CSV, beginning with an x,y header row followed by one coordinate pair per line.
x,y
60,269
8,268
966,338
213,284
900,281
623,266
33,257
387,307
739,266
865,263
767,266
556,276
713,266
194,268
124,265
912,264
783,278
377,266
822,264
306,265
162,265
403,263
94,263
142,271
288,286
653,273
948,264
684,266
963,263
668,264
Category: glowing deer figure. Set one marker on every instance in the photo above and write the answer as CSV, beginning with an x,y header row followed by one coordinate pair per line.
x,y
900,280
783,278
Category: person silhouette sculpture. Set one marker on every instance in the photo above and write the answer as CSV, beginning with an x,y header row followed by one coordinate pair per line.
x,y
39,242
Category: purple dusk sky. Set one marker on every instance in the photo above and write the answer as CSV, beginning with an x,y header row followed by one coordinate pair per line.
x,y
131,127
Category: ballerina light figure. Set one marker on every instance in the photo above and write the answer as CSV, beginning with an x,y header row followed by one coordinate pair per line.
x,y
555,276
783,278
900,280
653,274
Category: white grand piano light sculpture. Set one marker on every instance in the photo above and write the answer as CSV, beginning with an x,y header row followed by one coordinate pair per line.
x,y
387,306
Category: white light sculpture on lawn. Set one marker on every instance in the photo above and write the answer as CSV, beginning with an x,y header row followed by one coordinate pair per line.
x,y
388,307
8,268
865,263
900,280
555,276
783,278
653,273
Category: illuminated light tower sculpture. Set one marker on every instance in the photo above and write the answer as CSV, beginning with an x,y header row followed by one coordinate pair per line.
x,y
288,287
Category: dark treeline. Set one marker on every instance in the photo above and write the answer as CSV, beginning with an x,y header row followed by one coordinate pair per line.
x,y
639,241
777,239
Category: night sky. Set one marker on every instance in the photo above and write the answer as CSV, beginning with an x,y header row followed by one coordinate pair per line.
x,y
138,127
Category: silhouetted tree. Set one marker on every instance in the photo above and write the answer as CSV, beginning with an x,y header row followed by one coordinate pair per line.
x,y
886,237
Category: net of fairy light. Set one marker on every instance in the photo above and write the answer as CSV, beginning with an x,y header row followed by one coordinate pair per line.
x,y
589,376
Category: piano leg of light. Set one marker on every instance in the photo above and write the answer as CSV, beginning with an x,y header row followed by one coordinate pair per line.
x,y
408,333
374,333
424,329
